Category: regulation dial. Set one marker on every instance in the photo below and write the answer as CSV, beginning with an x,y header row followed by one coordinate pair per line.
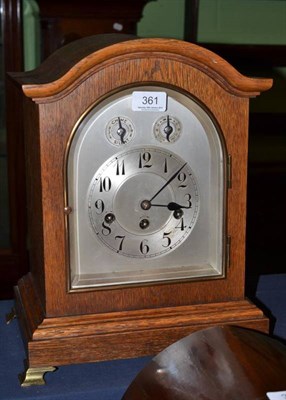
x,y
167,129
120,131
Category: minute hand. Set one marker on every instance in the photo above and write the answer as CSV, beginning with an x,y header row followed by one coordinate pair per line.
x,y
168,182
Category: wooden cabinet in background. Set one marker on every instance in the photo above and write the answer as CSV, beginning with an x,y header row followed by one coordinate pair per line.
x,y
60,23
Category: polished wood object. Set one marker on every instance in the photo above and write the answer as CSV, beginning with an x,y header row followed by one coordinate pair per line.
x,y
219,363
62,22
63,327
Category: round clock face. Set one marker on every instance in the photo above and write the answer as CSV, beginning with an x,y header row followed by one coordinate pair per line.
x,y
143,202
145,191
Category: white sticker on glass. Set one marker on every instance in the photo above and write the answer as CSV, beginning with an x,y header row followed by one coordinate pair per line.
x,y
277,395
149,101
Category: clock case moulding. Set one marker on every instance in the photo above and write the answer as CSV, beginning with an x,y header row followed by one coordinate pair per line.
x,y
63,327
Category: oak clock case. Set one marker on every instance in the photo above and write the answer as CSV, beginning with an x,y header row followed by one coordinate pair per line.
x,y
137,210
146,192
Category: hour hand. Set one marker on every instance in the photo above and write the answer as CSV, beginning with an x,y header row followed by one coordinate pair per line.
x,y
172,206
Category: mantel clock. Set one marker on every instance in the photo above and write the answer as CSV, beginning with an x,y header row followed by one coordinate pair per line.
x,y
136,171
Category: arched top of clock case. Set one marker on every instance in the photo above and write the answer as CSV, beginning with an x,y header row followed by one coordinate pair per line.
x,y
76,61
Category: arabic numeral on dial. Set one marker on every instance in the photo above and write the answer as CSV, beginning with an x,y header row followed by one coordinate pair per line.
x,y
144,160
106,230
144,248
99,206
181,178
165,166
104,184
167,239
189,197
121,240
181,225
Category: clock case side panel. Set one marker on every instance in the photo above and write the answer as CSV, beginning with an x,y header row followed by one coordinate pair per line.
x,y
61,111
30,292
35,242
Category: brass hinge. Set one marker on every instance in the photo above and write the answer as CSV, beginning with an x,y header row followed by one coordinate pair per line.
x,y
229,171
228,245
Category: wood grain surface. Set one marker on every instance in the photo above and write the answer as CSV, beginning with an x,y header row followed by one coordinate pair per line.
x,y
64,67
126,334
219,363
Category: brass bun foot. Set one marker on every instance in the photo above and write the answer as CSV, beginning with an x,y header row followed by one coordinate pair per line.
x,y
35,376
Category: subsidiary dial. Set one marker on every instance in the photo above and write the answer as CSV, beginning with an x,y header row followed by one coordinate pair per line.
x,y
143,203
167,129
120,131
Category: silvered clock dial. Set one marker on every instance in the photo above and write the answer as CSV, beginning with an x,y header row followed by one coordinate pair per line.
x,y
143,202
146,188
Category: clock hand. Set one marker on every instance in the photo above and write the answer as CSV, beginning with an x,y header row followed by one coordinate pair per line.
x,y
168,129
172,206
168,182
121,131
